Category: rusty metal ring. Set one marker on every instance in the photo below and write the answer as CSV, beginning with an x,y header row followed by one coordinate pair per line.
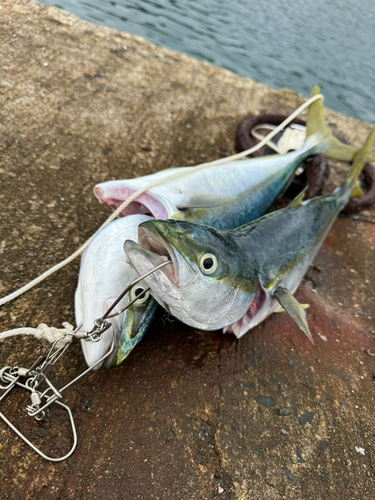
x,y
316,170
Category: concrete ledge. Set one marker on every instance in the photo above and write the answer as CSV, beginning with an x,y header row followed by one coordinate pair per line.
x,y
190,415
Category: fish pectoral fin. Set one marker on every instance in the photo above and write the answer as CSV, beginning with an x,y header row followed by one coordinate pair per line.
x,y
298,199
293,308
206,200
282,310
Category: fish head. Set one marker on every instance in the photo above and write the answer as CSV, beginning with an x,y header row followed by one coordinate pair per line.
x,y
130,326
205,285
114,193
104,275
172,198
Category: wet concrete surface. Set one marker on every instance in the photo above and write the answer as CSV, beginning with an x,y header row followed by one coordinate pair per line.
x,y
189,415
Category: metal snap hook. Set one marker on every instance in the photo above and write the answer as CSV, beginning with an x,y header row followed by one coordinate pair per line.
x,y
37,373
3,373
36,400
37,450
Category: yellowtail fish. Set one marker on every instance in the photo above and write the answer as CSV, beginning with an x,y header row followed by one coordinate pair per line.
x,y
234,279
224,197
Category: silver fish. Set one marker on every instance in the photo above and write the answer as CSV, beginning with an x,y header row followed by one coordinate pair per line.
x,y
228,195
103,276
234,279
224,197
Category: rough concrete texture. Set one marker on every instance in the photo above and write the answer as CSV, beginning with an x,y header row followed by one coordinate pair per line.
x,y
189,415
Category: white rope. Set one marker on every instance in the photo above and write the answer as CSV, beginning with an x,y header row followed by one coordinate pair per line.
x,y
43,331
135,195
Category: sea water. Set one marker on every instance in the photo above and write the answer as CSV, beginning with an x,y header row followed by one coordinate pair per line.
x,y
284,43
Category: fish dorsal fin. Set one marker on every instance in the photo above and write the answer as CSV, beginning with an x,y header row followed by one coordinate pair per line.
x,y
293,308
206,200
298,199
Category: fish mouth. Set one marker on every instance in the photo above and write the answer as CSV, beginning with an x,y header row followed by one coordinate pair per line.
x,y
114,195
151,251
153,242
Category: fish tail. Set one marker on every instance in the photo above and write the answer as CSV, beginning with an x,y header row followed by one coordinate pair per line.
x,y
360,160
332,148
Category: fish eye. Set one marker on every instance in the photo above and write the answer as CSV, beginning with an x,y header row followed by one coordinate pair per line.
x,y
139,291
208,263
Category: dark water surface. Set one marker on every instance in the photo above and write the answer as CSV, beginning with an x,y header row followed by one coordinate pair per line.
x,y
284,43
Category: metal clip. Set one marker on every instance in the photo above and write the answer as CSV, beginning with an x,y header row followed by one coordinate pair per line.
x,y
40,401
96,334
36,375
13,380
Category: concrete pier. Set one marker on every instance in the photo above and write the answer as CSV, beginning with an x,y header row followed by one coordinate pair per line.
x,y
189,415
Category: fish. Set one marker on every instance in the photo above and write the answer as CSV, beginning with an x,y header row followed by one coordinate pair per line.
x,y
228,196
103,276
234,279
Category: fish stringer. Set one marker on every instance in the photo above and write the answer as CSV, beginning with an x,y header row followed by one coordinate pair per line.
x,y
36,380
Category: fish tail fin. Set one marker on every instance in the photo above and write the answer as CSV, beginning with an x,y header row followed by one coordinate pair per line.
x,y
359,161
332,148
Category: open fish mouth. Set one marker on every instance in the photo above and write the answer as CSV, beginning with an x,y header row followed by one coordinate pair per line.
x,y
151,251
114,196
162,252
